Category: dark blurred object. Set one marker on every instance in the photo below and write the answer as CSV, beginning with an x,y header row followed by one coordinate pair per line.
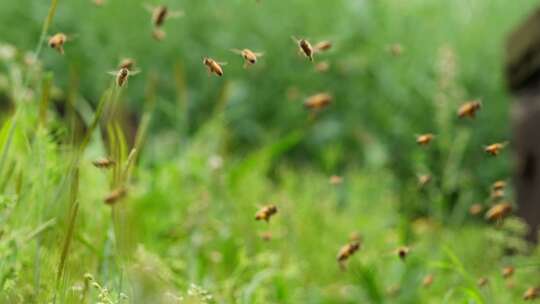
x,y
523,77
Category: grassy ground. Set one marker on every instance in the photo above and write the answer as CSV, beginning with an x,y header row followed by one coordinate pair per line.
x,y
185,230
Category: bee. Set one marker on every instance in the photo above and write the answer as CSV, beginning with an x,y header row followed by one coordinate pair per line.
x,y
335,180
305,47
250,57
266,236
322,67
266,213
346,252
395,49
507,272
122,76
159,34
160,13
403,252
57,42
127,63
498,185
115,196
355,237
483,281
322,46
497,194
424,180
103,163
476,209
469,109
531,293
424,139
499,211
318,101
428,280
98,2
213,66
495,149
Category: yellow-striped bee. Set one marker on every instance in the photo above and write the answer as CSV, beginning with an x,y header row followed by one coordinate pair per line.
x,y
57,42
305,47
469,109
250,57
346,252
161,13
103,163
531,293
322,46
495,149
266,213
213,66
115,196
499,211
424,139
122,76
318,101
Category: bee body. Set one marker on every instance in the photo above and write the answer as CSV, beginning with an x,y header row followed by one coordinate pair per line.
x,y
115,196
318,101
469,109
424,139
57,42
266,213
103,163
213,66
499,211
494,149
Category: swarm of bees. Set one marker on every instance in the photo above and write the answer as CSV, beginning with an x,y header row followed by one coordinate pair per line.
x,y
346,252
266,213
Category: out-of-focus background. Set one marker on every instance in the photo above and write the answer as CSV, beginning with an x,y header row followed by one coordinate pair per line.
x,y
215,150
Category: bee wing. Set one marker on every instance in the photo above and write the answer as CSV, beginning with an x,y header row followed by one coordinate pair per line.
x,y
148,7
176,14
113,73
134,72
259,54
222,63
237,51
294,39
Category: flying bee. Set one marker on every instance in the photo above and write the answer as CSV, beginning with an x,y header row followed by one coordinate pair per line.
x,y
266,236
98,2
335,180
122,76
322,46
322,67
424,180
158,34
250,57
403,252
476,209
214,66
428,280
497,194
424,139
469,109
495,149
318,101
531,293
103,163
483,281
507,272
161,13
395,49
305,47
266,213
57,42
499,211
115,196
346,252
127,63
498,185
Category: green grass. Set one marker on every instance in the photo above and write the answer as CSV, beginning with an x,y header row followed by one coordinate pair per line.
x,y
203,155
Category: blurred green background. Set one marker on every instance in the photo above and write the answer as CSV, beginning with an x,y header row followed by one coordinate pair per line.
x,y
194,223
